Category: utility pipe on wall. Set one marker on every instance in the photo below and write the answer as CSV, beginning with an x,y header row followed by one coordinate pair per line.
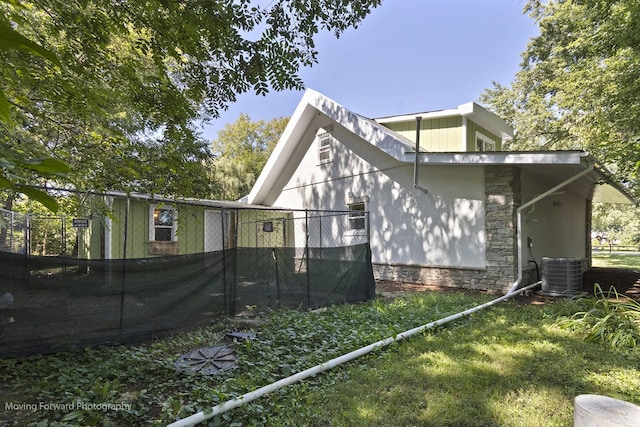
x,y
251,396
519,220
417,160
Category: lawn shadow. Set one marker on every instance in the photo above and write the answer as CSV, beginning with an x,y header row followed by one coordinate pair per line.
x,y
503,366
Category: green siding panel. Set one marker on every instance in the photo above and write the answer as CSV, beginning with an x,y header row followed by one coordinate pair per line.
x,y
472,128
190,229
251,233
441,134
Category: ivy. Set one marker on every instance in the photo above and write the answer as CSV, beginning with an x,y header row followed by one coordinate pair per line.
x,y
145,378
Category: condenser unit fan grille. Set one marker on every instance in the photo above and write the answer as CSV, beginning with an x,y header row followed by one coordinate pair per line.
x,y
562,276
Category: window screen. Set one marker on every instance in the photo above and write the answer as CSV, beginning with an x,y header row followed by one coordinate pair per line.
x,y
356,216
163,225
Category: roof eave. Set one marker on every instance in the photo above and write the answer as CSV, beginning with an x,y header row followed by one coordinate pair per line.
x,y
499,158
472,110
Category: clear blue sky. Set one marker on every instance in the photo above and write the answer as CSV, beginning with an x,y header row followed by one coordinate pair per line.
x,y
407,56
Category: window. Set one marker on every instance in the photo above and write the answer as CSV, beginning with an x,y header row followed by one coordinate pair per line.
x,y
357,218
484,143
324,147
162,224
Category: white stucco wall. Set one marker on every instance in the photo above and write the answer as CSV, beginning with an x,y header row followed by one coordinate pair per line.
x,y
442,227
556,224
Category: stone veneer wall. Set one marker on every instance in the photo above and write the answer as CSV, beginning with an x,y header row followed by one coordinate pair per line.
x,y
502,198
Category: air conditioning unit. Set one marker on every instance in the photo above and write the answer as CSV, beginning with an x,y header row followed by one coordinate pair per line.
x,y
562,276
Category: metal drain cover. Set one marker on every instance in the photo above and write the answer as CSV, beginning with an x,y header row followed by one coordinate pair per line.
x,y
207,360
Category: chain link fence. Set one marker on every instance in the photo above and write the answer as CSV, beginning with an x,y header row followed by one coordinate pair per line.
x,y
150,267
13,232
41,235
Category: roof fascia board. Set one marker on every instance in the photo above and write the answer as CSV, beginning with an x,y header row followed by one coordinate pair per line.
x,y
472,110
499,158
487,119
425,115
610,183
164,199
367,129
297,125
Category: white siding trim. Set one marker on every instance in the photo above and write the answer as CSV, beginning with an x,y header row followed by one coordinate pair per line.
x,y
108,227
464,134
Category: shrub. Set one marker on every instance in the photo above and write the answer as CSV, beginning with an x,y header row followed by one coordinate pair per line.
x,y
610,318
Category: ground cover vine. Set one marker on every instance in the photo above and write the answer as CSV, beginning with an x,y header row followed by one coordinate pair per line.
x,y
78,387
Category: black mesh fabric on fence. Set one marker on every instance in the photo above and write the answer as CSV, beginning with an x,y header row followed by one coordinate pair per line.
x,y
50,304
273,277
61,303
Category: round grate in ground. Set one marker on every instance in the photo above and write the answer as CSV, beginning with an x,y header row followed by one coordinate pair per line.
x,y
207,360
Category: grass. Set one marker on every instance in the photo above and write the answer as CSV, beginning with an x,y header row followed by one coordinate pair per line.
x,y
509,365
616,260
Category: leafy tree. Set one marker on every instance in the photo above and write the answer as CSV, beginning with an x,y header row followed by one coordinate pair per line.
x,y
16,170
135,79
579,85
617,224
242,149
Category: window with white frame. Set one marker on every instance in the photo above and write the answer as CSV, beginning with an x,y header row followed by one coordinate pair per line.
x,y
162,223
484,143
324,147
357,216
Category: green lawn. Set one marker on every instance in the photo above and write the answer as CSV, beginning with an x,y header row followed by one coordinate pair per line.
x,y
616,259
509,365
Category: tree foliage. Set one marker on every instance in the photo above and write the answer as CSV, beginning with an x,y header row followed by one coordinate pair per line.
x,y
15,170
620,224
579,83
135,79
242,149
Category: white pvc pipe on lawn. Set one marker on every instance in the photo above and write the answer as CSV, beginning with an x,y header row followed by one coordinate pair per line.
x,y
251,396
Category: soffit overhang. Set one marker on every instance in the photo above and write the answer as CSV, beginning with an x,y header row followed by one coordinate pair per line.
x,y
553,167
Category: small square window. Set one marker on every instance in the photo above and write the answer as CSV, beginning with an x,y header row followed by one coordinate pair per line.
x,y
162,227
357,218
267,227
484,143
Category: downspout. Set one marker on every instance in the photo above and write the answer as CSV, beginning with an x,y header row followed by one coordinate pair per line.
x,y
416,163
519,220
251,396
417,160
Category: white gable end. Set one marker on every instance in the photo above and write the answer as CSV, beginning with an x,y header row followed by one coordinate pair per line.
x,y
314,112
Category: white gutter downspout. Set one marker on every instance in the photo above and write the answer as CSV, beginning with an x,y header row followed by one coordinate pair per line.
x,y
519,220
417,159
251,396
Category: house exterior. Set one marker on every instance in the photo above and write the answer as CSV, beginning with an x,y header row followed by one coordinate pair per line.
x,y
447,205
143,226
